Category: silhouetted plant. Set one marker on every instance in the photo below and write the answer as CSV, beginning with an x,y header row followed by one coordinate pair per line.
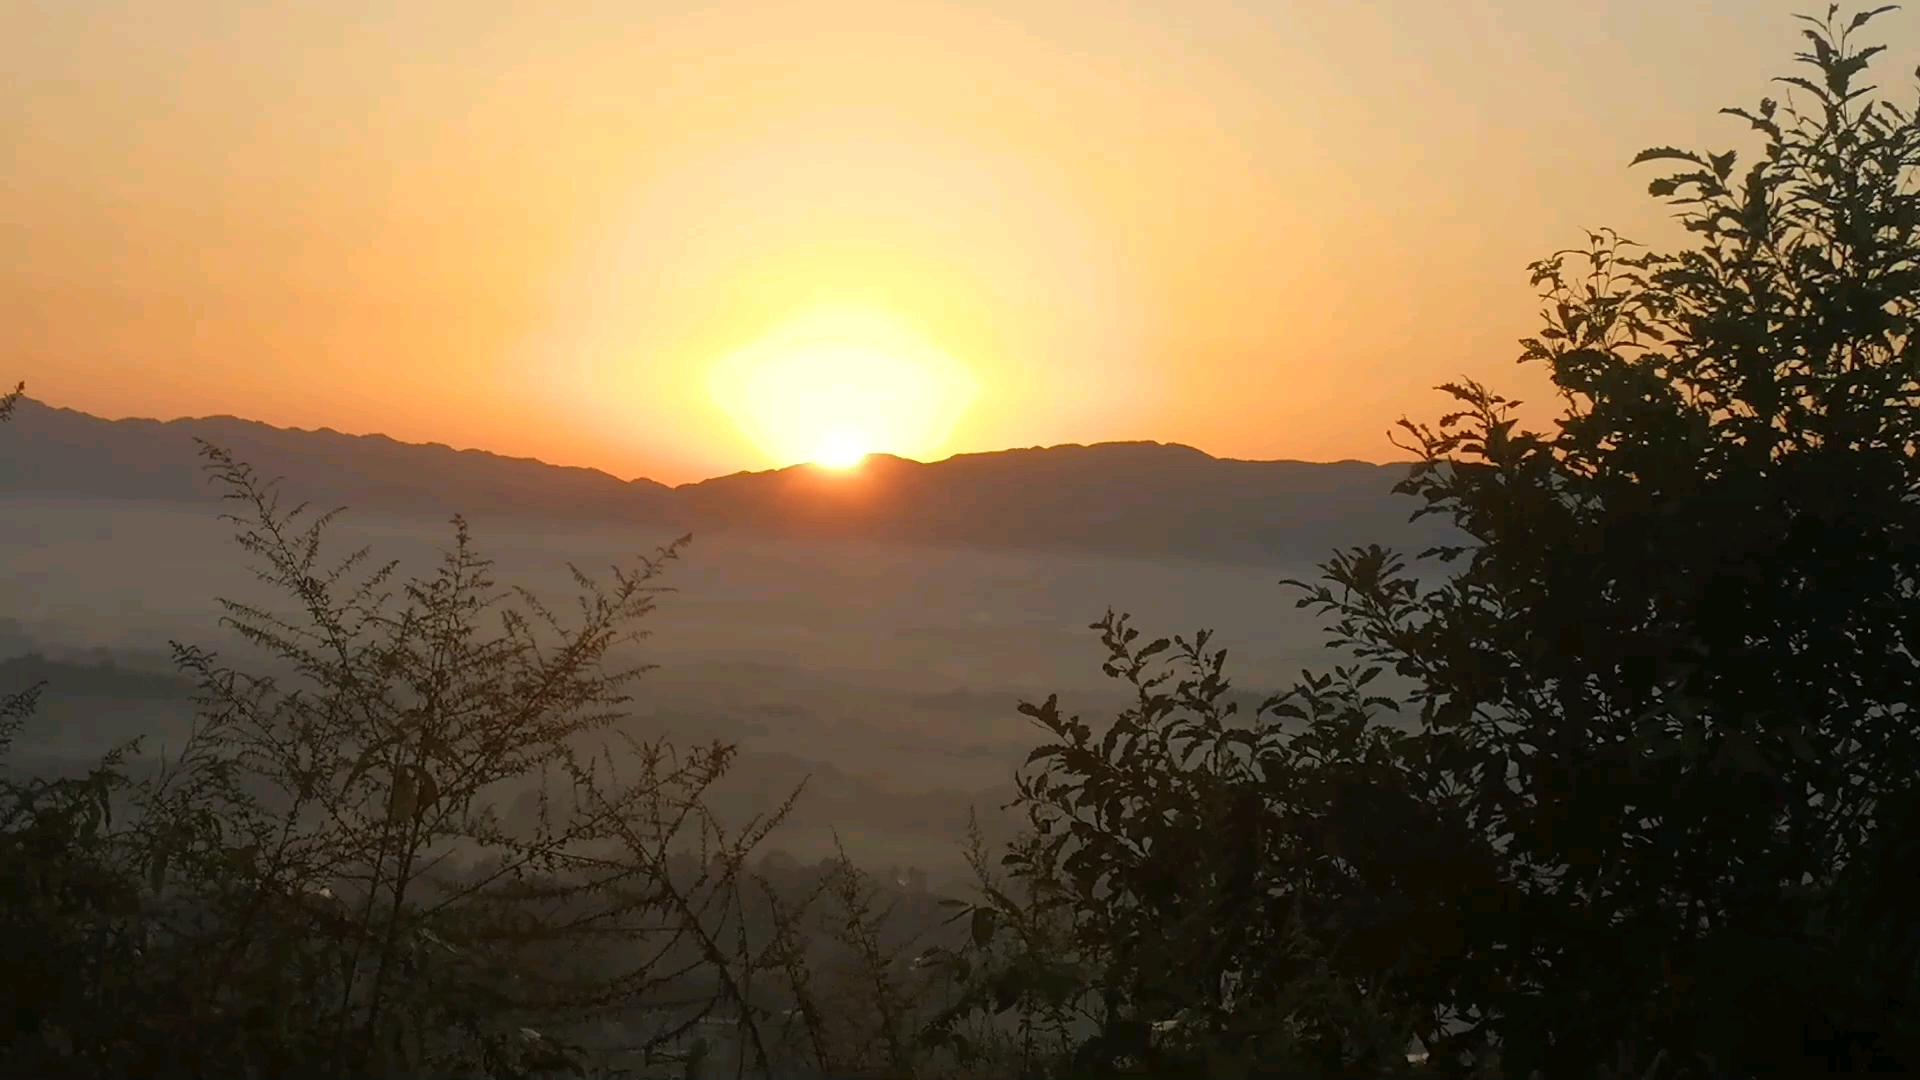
x,y
1659,815
1679,661
858,997
318,882
1200,894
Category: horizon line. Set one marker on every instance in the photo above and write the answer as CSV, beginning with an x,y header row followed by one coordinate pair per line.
x,y
28,399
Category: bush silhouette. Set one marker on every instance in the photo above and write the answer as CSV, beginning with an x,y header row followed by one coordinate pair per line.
x,y
326,880
1659,814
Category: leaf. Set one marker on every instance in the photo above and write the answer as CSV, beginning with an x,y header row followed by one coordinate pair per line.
x,y
1666,153
1860,19
1823,52
361,764
429,790
401,801
982,929
1804,84
1047,751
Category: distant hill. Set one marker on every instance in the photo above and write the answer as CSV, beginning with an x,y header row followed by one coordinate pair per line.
x,y
1136,498
1132,498
61,451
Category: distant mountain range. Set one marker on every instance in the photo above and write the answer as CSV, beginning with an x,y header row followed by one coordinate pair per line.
x,y
1141,499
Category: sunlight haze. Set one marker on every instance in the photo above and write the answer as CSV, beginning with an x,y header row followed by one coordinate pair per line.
x,y
831,386
611,234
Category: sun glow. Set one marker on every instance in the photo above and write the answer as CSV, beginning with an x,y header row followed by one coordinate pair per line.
x,y
835,385
841,449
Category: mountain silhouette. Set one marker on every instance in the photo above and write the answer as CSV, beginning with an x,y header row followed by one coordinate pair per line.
x,y
61,451
1123,498
1144,499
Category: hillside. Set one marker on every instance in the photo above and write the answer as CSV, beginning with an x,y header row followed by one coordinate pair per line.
x,y
48,450
1137,498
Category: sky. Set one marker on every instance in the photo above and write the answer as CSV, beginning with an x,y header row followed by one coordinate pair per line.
x,y
678,240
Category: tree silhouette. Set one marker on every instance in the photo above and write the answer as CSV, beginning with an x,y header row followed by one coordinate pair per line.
x,y
1659,816
319,880
326,880
1685,633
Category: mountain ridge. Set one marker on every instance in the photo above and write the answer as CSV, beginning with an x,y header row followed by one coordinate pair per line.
x,y
1136,497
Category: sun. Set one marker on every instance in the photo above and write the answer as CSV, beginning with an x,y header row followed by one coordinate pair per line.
x,y
840,449
832,385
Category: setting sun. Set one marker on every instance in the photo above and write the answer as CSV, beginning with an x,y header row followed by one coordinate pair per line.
x,y
840,450
834,385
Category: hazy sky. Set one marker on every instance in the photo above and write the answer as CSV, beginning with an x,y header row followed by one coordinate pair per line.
x,y
677,240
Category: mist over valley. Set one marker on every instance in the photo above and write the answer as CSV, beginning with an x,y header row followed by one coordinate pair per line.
x,y
870,631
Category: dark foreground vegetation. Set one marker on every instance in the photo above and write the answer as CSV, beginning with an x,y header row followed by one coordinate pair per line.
x,y
1658,818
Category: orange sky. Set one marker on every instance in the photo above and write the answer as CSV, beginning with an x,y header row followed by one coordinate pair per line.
x,y
599,233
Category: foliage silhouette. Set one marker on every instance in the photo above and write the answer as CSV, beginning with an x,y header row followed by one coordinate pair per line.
x,y
319,883
1685,636
1192,896
1659,814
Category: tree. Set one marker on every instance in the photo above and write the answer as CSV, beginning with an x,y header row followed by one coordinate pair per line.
x,y
409,838
1679,661
1666,780
1204,894
320,879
